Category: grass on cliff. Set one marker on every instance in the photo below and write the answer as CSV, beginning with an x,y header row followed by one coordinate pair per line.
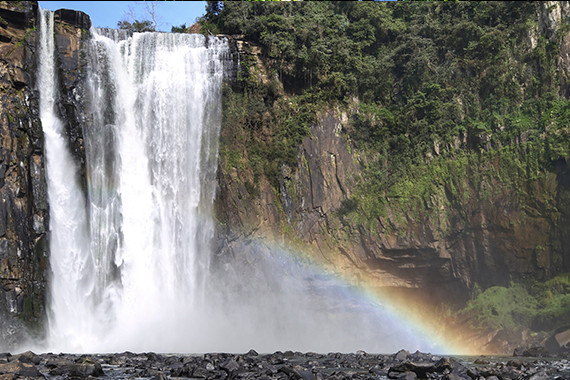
x,y
539,306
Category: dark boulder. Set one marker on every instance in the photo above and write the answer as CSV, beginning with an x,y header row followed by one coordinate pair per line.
x,y
78,370
28,357
20,369
559,342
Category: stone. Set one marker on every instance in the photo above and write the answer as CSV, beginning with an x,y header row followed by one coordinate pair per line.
x,y
299,367
402,375
20,369
558,342
58,362
442,365
21,138
200,372
230,366
75,18
28,357
160,376
538,351
402,355
481,360
420,369
79,370
452,376
540,376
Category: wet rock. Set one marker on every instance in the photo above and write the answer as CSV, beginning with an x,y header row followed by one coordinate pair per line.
x,y
296,365
538,351
78,370
160,376
201,373
559,342
230,366
481,360
420,369
452,376
21,269
28,357
20,369
58,362
252,353
540,376
403,376
402,355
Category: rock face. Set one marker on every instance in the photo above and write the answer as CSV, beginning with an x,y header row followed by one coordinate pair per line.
x,y
24,218
23,193
487,242
453,245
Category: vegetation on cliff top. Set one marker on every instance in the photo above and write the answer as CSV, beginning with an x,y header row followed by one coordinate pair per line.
x,y
430,83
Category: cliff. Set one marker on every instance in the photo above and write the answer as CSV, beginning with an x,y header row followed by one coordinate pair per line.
x,y
24,216
23,207
448,229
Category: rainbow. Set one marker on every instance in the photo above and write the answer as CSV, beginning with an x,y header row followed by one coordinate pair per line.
x,y
425,325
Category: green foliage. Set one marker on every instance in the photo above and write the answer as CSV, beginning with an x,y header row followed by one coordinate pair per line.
x,y
439,92
268,129
553,302
503,308
179,29
539,305
136,26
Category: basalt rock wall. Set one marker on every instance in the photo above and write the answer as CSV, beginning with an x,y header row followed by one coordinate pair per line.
x,y
24,209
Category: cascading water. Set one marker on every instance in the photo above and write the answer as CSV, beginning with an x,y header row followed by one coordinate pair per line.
x,y
139,244
68,226
130,257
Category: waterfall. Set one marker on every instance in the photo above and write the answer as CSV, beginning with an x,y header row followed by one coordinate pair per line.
x,y
130,253
68,219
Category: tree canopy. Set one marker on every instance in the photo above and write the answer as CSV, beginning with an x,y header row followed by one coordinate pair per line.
x,y
136,26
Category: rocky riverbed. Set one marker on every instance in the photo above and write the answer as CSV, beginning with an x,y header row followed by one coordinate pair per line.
x,y
279,365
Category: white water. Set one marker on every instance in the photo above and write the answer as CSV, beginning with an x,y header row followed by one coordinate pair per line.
x,y
131,256
68,221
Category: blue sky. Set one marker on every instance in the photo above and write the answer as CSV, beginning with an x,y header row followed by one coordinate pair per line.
x,y
107,13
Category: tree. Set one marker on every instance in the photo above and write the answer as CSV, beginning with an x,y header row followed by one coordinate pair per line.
x,y
213,8
179,29
133,23
136,26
